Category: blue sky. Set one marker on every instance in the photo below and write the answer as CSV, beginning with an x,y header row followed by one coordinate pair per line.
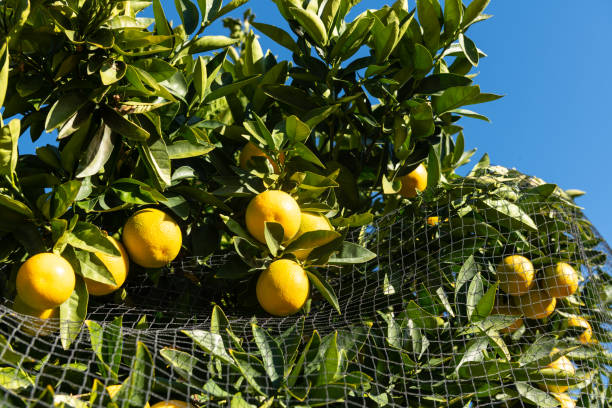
x,y
550,59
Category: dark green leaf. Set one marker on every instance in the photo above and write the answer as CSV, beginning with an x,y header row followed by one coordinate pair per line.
x,y
122,126
277,34
274,233
63,109
428,17
183,363
485,304
271,353
88,237
439,82
211,343
433,169
474,294
189,14
112,346
211,42
312,239
474,10
135,389
469,49
230,89
453,12
326,290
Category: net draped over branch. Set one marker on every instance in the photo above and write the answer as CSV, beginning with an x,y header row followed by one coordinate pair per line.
x,y
427,323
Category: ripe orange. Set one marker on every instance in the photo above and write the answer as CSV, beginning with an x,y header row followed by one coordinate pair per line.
x,y
275,206
311,222
414,181
515,274
562,364
251,150
45,281
37,327
172,404
576,321
118,266
152,238
503,308
536,304
560,280
283,288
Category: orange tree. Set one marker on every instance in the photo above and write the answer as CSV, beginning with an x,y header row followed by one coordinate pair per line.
x,y
360,127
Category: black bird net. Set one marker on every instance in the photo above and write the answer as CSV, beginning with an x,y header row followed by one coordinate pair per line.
x,y
498,294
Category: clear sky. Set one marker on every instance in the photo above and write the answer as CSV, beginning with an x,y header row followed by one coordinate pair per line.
x,y
551,60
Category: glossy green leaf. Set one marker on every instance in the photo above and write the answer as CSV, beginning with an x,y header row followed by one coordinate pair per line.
x,y
188,12
135,389
474,294
428,17
230,88
123,126
88,237
469,49
311,22
9,141
183,363
4,70
251,369
439,82
453,12
475,9
325,289
351,253
211,343
72,313
274,234
278,35
312,239
271,353
211,42
485,304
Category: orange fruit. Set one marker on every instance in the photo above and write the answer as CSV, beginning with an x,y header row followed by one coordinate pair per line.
x,y
251,150
152,238
311,222
503,308
432,221
172,404
414,181
118,266
274,206
35,327
576,321
565,400
562,364
45,281
536,304
560,280
283,288
515,274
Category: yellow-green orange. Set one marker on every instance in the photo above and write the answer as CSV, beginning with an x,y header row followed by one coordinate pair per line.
x,y
565,400
152,238
273,206
414,181
118,266
311,222
251,150
45,281
515,274
114,389
536,304
37,327
563,364
172,404
283,288
503,308
576,321
560,280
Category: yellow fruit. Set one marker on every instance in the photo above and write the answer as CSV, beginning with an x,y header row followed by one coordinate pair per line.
x,y
414,181
118,266
536,304
576,321
503,308
515,274
562,364
152,238
251,150
311,222
37,327
560,280
45,281
433,221
114,389
275,206
565,400
172,404
283,288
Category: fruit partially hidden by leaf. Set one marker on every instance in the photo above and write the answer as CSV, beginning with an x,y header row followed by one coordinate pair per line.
x,y
41,325
515,274
565,400
414,181
536,304
501,307
579,322
273,206
172,404
152,238
114,389
283,288
118,266
45,281
562,365
311,222
251,150
560,280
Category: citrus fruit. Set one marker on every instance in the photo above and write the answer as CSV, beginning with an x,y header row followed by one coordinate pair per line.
x,y
114,389
503,308
414,181
536,304
36,327
152,238
560,280
251,150
45,281
576,321
283,288
311,222
565,400
515,274
562,364
172,404
433,221
275,206
118,266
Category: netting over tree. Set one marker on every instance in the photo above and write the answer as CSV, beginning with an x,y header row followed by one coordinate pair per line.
x,y
423,324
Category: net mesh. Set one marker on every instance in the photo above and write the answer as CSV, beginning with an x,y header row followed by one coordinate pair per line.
x,y
423,324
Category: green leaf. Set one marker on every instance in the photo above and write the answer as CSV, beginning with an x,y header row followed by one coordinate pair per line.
x,y
274,234
297,369
9,140
470,114
433,169
453,12
14,379
4,69
385,38
513,214
472,12
97,153
312,239
112,71
271,353
183,363
250,367
455,97
439,82
95,339
232,5
161,23
200,78
211,343
474,294
91,267
485,304
16,206
533,395
296,130
184,149
326,290
422,60
469,49
302,151
63,109
539,351
331,363
88,237
72,313
352,38
122,126
351,253
112,346
230,88
211,42
157,157
428,17
278,35
188,13
63,197
421,317
135,390
311,22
